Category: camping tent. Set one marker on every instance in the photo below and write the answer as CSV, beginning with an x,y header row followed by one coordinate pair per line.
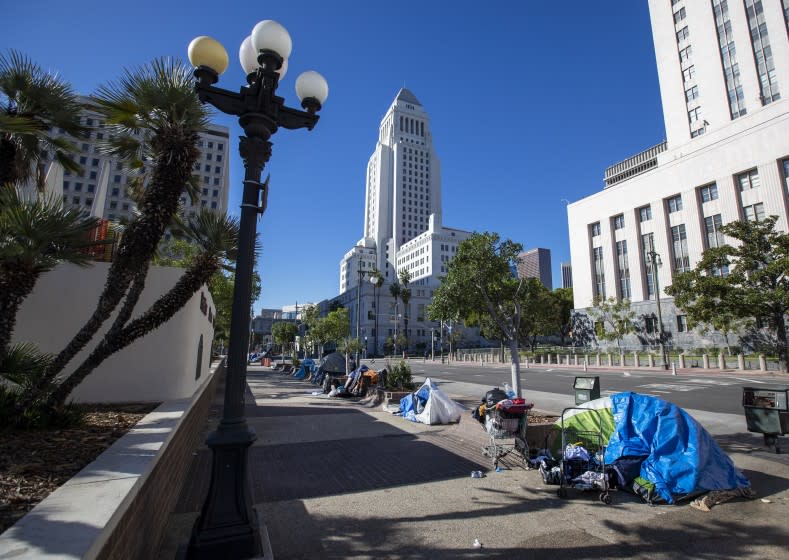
x,y
677,454
430,405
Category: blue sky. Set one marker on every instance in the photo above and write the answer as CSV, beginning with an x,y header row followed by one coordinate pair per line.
x,y
529,102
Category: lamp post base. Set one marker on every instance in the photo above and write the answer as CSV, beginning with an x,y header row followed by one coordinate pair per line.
x,y
228,525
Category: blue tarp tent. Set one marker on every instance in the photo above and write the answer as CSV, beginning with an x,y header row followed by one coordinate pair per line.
x,y
681,457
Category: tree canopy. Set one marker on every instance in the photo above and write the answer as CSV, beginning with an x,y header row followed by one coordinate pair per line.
x,y
741,282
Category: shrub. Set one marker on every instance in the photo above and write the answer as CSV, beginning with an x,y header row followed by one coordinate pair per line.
x,y
400,377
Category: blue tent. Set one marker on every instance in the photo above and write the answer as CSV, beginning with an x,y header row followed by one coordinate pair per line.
x,y
681,457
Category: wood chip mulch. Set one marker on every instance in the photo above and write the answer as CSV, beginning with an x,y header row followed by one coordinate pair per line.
x,y
34,463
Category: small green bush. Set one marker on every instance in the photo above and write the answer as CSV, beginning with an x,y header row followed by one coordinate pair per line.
x,y
400,377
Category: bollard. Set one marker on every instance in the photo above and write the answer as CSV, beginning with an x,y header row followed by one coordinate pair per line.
x,y
636,362
705,361
741,361
575,360
597,360
526,362
558,360
721,361
674,368
762,363
621,359
584,364
610,359
651,360
682,361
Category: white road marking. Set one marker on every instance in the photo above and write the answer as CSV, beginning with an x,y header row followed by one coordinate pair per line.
x,y
710,382
549,370
653,391
668,387
626,373
750,380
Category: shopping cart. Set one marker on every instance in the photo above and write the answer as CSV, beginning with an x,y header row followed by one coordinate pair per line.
x,y
583,459
506,424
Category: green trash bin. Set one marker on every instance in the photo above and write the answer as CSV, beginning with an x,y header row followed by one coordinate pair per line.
x,y
767,412
586,389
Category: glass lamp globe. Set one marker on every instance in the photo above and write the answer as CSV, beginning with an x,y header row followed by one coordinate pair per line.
x,y
272,36
206,51
312,84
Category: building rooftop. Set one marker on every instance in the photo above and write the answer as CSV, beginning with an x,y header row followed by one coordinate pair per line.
x,y
406,95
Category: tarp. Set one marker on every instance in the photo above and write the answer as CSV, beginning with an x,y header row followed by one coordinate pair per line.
x,y
681,457
430,405
333,363
591,416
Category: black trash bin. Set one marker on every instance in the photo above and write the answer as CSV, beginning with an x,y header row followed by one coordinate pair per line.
x,y
586,389
767,412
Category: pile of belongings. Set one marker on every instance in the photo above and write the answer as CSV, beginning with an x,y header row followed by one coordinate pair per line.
x,y
306,368
503,401
430,405
653,448
332,366
357,383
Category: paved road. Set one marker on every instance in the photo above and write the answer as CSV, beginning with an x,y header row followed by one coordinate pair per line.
x,y
708,391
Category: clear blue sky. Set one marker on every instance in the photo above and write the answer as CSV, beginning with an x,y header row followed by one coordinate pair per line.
x,y
529,102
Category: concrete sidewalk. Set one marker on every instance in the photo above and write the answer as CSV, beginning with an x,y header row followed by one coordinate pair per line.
x,y
333,479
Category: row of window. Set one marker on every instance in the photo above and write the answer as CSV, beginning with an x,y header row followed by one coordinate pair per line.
x,y
745,181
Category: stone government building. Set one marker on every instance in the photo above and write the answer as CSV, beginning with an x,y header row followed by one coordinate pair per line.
x,y
723,69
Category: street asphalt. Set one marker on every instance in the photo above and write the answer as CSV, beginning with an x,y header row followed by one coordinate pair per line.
x,y
333,478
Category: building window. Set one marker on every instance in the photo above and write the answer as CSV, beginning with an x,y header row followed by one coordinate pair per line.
x,y
785,165
595,227
709,192
624,269
674,204
647,245
682,323
650,324
619,221
748,180
684,54
688,74
692,93
760,41
754,213
786,14
712,226
683,34
680,240
78,187
694,115
731,70
679,15
599,273
645,213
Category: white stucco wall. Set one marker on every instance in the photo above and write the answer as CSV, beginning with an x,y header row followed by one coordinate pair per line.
x,y
157,367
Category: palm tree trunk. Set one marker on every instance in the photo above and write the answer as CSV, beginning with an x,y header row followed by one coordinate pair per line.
x,y
16,283
159,313
171,172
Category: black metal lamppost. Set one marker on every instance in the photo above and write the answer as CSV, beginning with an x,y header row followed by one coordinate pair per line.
x,y
653,260
227,526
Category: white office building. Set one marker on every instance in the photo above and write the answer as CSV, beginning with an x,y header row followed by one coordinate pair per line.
x,y
101,188
402,228
723,68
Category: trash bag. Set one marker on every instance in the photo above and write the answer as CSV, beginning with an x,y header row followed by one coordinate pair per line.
x,y
494,396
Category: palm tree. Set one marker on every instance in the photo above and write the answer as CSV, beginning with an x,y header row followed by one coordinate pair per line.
x,y
33,103
155,118
394,289
35,236
216,236
405,295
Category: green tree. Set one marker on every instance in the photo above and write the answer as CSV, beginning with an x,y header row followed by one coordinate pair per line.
x,y
563,298
284,332
756,286
154,117
35,236
33,104
616,317
479,283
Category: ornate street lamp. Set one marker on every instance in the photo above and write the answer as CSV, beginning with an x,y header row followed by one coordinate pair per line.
x,y
376,280
227,526
653,260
